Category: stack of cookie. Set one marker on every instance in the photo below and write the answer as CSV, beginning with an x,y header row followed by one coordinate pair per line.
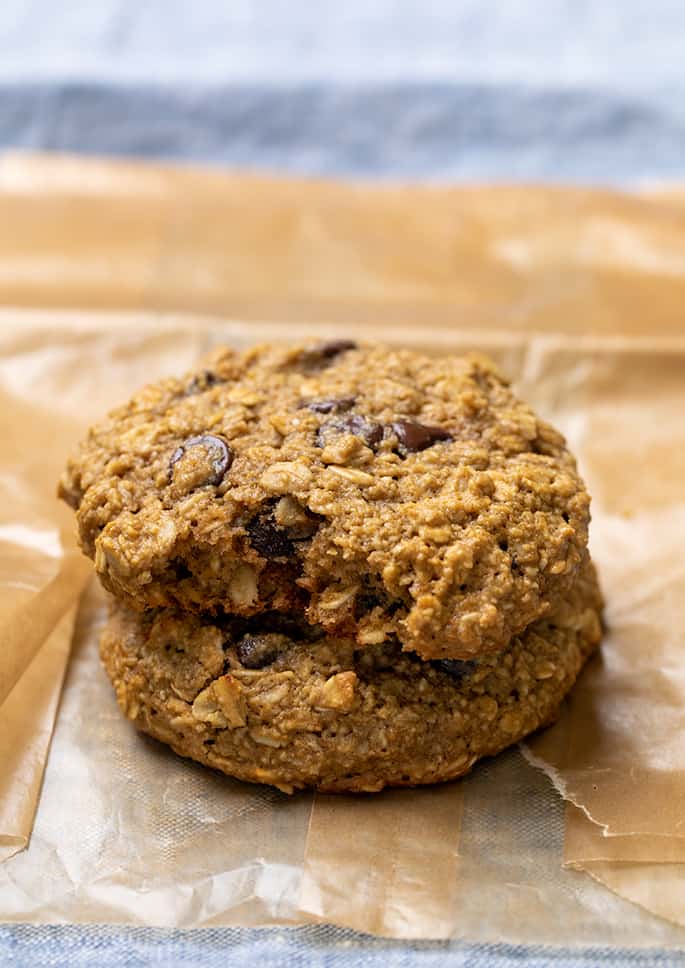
x,y
337,566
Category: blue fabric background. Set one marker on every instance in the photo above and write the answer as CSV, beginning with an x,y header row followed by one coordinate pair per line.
x,y
524,89
317,947
560,90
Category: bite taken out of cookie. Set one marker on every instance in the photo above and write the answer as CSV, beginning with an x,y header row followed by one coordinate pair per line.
x,y
380,495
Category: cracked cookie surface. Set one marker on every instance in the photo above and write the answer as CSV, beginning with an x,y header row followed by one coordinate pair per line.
x,y
274,701
384,494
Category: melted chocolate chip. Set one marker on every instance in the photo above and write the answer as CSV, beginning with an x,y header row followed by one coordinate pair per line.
x,y
412,436
221,455
267,539
367,430
455,668
257,651
180,569
368,599
285,625
334,405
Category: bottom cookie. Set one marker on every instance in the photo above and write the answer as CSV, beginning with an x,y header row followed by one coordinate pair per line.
x,y
268,700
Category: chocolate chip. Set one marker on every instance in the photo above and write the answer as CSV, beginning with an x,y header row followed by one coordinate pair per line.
x,y
180,569
220,453
333,348
367,430
324,352
334,405
267,539
455,668
257,651
412,436
368,598
202,381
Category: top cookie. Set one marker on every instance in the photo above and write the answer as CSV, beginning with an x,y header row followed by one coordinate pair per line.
x,y
381,491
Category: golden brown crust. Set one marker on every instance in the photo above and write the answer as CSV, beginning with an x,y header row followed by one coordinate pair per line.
x,y
268,702
387,494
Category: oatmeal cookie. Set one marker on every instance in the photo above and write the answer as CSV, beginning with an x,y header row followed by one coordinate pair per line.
x,y
384,494
278,701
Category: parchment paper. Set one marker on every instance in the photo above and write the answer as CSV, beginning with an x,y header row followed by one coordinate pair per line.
x,y
26,723
127,832
41,577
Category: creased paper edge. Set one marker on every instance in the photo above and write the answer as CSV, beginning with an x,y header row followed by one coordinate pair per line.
x,y
562,787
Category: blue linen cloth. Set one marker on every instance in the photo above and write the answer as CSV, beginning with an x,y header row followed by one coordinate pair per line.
x,y
556,90
79,946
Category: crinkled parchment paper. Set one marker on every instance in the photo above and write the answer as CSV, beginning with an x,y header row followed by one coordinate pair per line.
x,y
579,297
